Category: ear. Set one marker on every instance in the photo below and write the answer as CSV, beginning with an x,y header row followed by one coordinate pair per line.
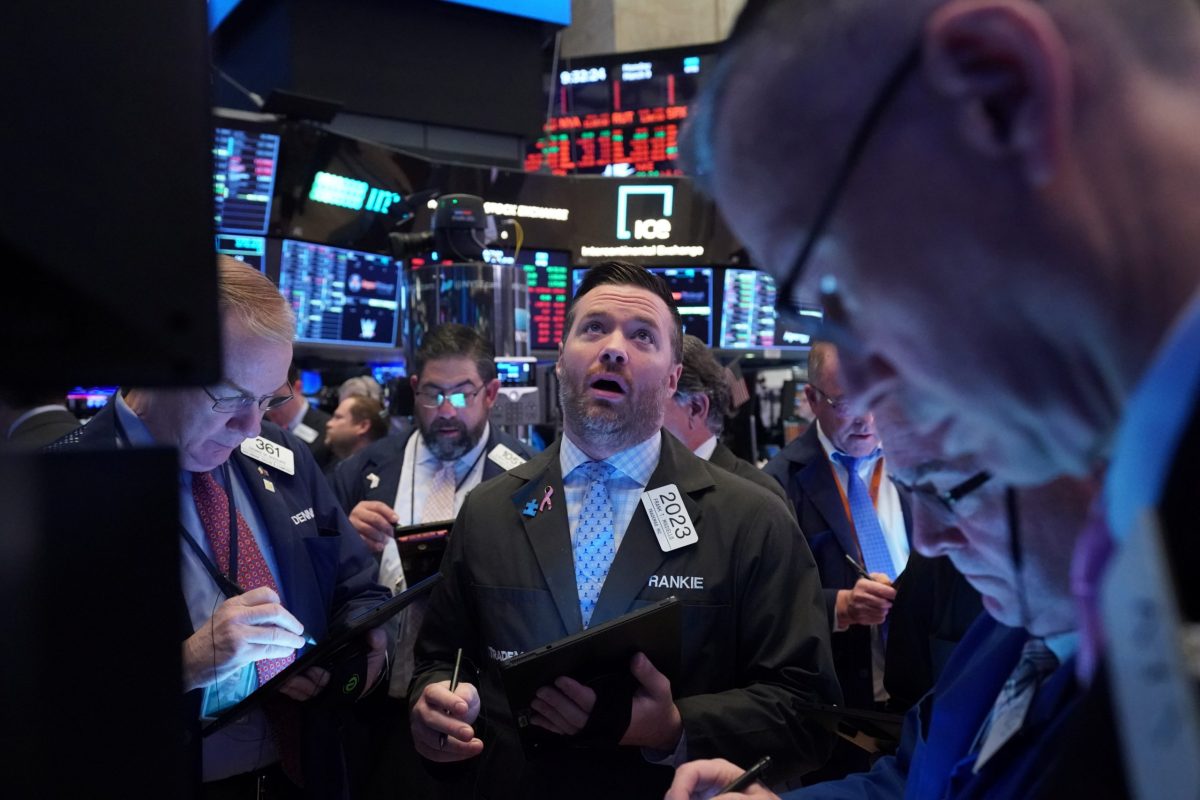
x,y
490,390
1006,67
698,409
413,380
673,377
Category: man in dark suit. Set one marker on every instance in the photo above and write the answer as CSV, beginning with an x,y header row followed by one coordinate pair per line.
x,y
298,567
304,420
994,724
696,415
835,468
563,543
424,477
31,420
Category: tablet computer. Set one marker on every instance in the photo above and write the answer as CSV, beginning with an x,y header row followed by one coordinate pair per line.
x,y
324,652
421,547
597,657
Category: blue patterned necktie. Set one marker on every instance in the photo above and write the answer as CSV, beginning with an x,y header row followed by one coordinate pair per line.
x,y
595,541
1012,704
876,556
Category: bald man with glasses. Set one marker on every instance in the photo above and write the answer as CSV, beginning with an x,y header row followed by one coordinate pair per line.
x,y
852,514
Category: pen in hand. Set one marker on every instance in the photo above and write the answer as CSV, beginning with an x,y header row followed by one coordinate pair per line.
x,y
453,687
859,568
748,777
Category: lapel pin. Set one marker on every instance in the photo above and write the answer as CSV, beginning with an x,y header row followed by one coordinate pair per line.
x,y
373,480
546,505
262,471
530,509
270,487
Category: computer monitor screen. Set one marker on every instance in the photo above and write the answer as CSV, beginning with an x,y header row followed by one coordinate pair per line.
x,y
748,318
516,371
342,297
250,249
384,373
692,289
243,179
546,272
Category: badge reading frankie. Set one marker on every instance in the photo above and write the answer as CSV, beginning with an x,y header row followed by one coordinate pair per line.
x,y
271,454
669,518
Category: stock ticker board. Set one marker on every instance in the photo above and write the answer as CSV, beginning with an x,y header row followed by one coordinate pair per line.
x,y
619,116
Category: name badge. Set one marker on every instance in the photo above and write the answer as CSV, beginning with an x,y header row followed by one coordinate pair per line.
x,y
669,518
306,434
271,454
505,457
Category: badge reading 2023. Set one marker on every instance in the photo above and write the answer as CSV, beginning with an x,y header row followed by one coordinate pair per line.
x,y
669,518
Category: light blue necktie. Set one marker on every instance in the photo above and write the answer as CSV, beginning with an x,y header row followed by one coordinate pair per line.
x,y
876,556
595,543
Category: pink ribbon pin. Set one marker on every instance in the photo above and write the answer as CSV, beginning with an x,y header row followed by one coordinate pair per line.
x,y
546,505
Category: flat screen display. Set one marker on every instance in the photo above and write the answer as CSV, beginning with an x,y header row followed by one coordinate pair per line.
x,y
342,297
748,318
547,273
692,289
244,169
250,249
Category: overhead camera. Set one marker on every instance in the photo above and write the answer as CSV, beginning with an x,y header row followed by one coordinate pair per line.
x,y
460,229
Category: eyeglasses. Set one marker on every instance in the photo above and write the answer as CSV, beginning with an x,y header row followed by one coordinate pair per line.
x,y
951,498
787,308
240,402
840,405
458,399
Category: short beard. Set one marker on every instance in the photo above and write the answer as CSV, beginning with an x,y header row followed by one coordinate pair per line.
x,y
454,449
614,428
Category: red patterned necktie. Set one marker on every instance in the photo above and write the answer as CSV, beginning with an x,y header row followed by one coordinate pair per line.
x,y
212,503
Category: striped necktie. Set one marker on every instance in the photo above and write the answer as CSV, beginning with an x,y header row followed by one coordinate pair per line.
x,y
1012,704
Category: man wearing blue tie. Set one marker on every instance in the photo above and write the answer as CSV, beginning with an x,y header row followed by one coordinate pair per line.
x,y
852,516
563,542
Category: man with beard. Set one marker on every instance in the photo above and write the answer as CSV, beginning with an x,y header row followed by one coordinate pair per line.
x,y
425,476
562,543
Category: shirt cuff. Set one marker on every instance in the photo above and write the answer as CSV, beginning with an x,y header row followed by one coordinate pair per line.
x,y
668,759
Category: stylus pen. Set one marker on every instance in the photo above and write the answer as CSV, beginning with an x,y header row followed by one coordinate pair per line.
x,y
453,687
748,777
236,590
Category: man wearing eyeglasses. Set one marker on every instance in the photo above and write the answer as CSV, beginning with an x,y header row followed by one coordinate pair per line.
x,y
268,557
957,200
424,477
849,511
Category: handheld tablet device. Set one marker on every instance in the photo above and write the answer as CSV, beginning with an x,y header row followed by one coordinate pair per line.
x,y
326,652
598,658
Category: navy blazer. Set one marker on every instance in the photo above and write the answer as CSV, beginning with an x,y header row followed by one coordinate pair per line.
x,y
326,573
803,471
385,460
934,760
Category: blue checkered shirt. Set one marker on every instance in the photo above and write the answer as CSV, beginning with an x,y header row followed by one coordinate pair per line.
x,y
633,468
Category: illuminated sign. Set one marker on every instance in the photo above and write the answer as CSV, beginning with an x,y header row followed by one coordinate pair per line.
x,y
645,228
637,71
338,190
575,77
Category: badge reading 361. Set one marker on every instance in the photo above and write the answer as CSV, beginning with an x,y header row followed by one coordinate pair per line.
x,y
669,518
